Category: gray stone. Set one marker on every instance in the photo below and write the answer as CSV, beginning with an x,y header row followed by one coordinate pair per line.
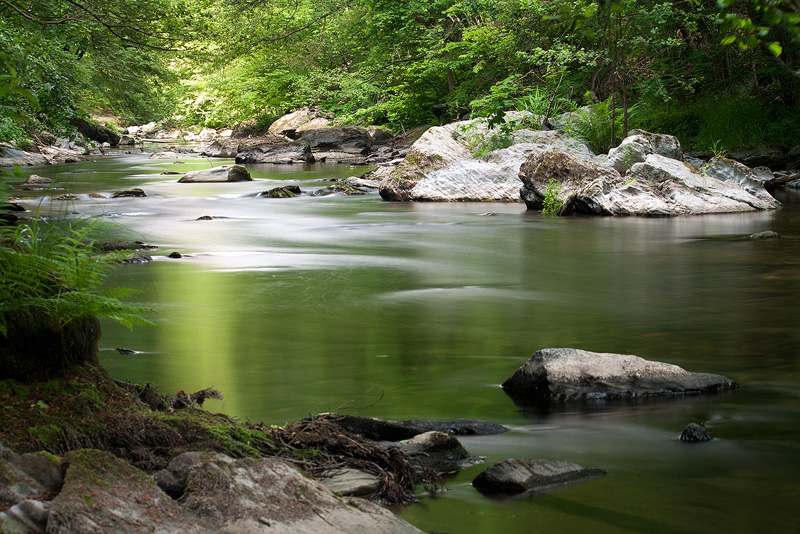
x,y
340,139
276,151
633,149
663,144
134,193
656,187
766,234
224,173
221,149
270,495
439,451
562,375
289,124
35,179
10,156
752,180
287,191
216,494
532,476
352,482
694,433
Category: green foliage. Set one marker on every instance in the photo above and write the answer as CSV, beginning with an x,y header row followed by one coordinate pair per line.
x,y
552,202
593,124
53,266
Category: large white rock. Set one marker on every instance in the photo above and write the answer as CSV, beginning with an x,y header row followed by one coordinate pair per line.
x,y
569,375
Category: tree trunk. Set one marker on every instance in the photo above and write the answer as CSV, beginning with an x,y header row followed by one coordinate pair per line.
x,y
34,349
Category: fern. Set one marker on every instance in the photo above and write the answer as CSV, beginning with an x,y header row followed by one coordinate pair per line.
x,y
53,266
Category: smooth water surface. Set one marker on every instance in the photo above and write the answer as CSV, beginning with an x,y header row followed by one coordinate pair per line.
x,y
400,310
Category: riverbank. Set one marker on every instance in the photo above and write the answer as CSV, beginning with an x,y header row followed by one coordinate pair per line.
x,y
55,432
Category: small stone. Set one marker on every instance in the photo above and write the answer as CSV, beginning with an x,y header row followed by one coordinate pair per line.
x,y
767,234
694,433
205,218
136,192
175,254
531,475
35,179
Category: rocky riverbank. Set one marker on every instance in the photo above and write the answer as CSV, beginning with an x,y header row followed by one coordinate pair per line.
x,y
85,453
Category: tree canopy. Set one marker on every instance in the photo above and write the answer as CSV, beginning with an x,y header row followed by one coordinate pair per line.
x,y
653,63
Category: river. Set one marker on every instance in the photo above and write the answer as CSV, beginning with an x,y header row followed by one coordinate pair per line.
x,y
298,306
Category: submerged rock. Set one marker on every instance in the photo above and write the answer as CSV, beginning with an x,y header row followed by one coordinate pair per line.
x,y
134,193
766,234
439,451
532,476
286,191
224,173
573,375
693,433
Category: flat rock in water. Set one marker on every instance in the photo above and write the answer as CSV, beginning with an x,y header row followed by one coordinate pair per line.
x,y
531,476
223,173
573,375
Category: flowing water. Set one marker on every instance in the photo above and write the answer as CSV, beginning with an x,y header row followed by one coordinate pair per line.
x,y
420,310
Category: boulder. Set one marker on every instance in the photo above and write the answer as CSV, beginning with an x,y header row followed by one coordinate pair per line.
x,y
221,149
203,493
434,150
752,180
276,151
560,375
289,124
469,180
694,433
224,173
10,156
270,495
632,149
439,451
95,132
102,493
663,144
532,476
352,140
27,476
656,187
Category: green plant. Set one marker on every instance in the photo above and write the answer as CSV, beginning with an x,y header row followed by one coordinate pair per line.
x,y
552,201
718,150
52,266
